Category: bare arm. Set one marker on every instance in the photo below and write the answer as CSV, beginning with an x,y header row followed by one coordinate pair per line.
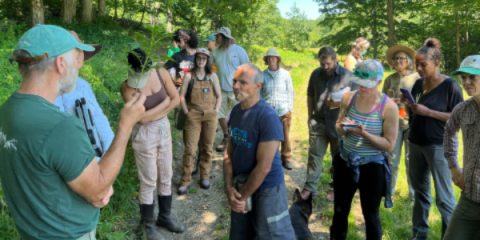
x,y
265,154
233,196
425,111
349,63
95,181
346,98
218,91
183,91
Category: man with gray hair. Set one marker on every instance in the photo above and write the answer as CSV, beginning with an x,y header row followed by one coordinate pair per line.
x,y
53,184
253,159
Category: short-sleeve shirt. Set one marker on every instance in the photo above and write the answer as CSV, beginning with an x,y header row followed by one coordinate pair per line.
x,y
227,62
425,130
41,149
247,128
320,88
183,63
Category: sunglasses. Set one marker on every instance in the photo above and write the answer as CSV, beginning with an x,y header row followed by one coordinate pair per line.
x,y
364,75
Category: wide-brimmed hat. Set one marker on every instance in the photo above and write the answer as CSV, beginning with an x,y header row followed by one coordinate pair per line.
x,y
367,73
225,31
87,55
391,53
271,52
47,41
202,51
470,65
209,38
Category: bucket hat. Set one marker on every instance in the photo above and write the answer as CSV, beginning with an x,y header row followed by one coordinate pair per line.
x,y
225,31
272,52
470,65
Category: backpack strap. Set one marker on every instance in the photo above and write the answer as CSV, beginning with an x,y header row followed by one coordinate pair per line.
x,y
190,87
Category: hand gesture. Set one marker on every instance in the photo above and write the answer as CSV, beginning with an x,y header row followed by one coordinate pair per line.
x,y
132,111
358,130
457,177
234,200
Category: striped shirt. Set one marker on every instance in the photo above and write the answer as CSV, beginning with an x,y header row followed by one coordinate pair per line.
x,y
372,123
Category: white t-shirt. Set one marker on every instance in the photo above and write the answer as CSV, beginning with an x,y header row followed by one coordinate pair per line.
x,y
227,63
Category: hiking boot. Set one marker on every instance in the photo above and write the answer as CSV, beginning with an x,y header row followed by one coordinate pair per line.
x,y
287,165
146,211
221,147
183,189
164,219
205,183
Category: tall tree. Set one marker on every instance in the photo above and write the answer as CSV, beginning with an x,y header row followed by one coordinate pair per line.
x,y
392,37
68,10
101,8
169,20
87,6
37,12
297,28
457,37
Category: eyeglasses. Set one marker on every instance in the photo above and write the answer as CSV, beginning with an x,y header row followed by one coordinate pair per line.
x,y
364,75
398,59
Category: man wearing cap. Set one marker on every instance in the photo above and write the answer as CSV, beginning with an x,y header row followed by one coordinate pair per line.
x,y
466,115
53,184
228,56
102,132
323,112
210,41
277,90
402,60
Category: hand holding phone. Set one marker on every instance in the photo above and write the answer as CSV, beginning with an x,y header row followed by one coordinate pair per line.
x,y
407,95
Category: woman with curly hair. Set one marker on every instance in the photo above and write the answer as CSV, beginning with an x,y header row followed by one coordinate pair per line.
x,y
359,48
152,141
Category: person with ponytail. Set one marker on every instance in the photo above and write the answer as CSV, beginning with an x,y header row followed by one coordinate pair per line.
x,y
359,48
435,97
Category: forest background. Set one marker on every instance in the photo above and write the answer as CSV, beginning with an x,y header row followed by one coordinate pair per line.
x,y
256,25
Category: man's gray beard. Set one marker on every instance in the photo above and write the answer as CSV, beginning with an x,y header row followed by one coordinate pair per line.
x,y
67,82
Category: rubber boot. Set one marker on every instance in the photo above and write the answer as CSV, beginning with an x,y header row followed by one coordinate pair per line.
x,y
146,211
164,219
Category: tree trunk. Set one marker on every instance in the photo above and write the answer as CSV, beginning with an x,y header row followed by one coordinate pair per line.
x,y
392,37
101,8
37,12
143,12
457,37
116,4
68,10
169,20
87,10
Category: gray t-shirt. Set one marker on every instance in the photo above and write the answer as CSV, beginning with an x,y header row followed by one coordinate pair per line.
x,y
227,63
320,88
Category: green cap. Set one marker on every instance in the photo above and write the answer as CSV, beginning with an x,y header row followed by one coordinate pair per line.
x,y
47,41
209,38
470,65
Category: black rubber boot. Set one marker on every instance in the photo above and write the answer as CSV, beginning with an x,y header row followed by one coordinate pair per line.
x,y
146,211
164,219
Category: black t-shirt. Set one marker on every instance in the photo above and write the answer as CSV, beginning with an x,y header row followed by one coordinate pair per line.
x,y
183,63
424,130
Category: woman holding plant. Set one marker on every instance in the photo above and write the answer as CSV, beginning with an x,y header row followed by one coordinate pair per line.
x,y
152,141
200,98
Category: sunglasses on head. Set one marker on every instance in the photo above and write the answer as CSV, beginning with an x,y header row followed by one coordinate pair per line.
x,y
364,75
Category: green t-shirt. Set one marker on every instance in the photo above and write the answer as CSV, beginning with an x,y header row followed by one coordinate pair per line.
x,y
41,149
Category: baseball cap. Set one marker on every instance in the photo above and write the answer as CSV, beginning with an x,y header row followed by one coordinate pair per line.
x,y
367,73
47,41
209,38
203,51
470,65
225,31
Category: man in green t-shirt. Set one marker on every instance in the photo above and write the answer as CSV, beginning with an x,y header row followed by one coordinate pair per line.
x,y
53,184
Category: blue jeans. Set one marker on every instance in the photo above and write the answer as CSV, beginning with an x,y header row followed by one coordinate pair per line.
x,y
269,218
426,161
395,157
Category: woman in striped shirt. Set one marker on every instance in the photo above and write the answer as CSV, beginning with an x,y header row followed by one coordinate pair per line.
x,y
369,123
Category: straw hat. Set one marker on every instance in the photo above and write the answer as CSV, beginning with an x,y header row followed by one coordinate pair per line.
x,y
391,52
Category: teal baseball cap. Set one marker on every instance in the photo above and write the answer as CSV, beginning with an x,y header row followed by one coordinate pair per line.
x,y
209,38
47,41
470,65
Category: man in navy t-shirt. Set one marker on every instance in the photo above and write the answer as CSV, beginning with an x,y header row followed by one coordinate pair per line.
x,y
252,157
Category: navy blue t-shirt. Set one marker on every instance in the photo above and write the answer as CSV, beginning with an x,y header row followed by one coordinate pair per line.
x,y
247,128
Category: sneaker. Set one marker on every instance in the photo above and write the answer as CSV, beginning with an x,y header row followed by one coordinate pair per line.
x,y
287,165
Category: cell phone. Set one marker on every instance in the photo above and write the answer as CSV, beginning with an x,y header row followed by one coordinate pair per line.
x,y
407,94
